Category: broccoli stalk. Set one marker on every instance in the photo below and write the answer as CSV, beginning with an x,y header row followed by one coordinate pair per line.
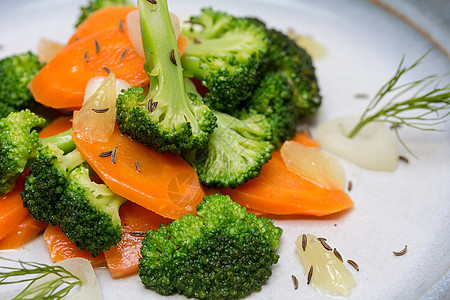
x,y
169,118
222,253
236,151
228,55
19,144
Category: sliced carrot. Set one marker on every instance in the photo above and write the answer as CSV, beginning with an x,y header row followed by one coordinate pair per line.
x,y
28,229
182,43
281,191
108,17
12,211
62,81
60,247
58,125
305,140
123,259
165,184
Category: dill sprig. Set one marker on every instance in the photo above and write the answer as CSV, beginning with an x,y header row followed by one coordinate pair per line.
x,y
58,286
423,110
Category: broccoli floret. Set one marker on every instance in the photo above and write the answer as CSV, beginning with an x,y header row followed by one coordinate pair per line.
x,y
94,5
222,253
292,61
228,55
19,144
235,153
273,99
45,185
172,117
16,72
89,212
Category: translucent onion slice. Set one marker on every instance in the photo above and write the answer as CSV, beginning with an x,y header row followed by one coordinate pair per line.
x,y
81,268
134,30
314,164
97,117
47,49
329,274
374,148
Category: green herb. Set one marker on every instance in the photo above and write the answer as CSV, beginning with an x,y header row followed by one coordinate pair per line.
x,y
30,272
425,109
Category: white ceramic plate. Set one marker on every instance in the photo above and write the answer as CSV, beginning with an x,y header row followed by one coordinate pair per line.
x,y
364,45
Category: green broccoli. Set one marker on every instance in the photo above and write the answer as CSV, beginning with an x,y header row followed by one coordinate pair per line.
x,y
94,5
273,99
16,72
19,144
235,153
45,185
89,212
172,117
228,55
222,253
292,61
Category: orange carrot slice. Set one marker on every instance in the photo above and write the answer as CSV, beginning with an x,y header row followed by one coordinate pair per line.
x,y
182,43
162,182
27,230
123,259
61,82
108,17
12,211
58,125
60,247
281,191
305,140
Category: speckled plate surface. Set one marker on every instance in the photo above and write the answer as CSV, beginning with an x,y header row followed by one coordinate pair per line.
x,y
363,46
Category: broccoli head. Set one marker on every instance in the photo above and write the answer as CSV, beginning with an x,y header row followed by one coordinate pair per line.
x,y
235,153
89,212
222,253
45,185
94,5
18,143
171,117
16,72
291,60
228,55
273,99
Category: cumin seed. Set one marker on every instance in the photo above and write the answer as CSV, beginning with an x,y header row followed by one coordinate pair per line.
x,y
124,52
349,185
396,125
154,106
401,252
325,245
138,167
86,56
403,158
361,96
149,105
107,70
105,154
97,46
152,1
138,233
304,241
121,24
295,281
113,155
338,255
310,273
321,239
172,57
353,264
197,41
100,110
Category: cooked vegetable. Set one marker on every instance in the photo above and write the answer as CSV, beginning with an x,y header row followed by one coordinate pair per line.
x,y
329,273
16,72
19,143
228,55
171,117
223,252
94,5
279,190
235,153
27,230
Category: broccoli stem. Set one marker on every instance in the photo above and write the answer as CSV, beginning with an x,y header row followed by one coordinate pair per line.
x,y
62,140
